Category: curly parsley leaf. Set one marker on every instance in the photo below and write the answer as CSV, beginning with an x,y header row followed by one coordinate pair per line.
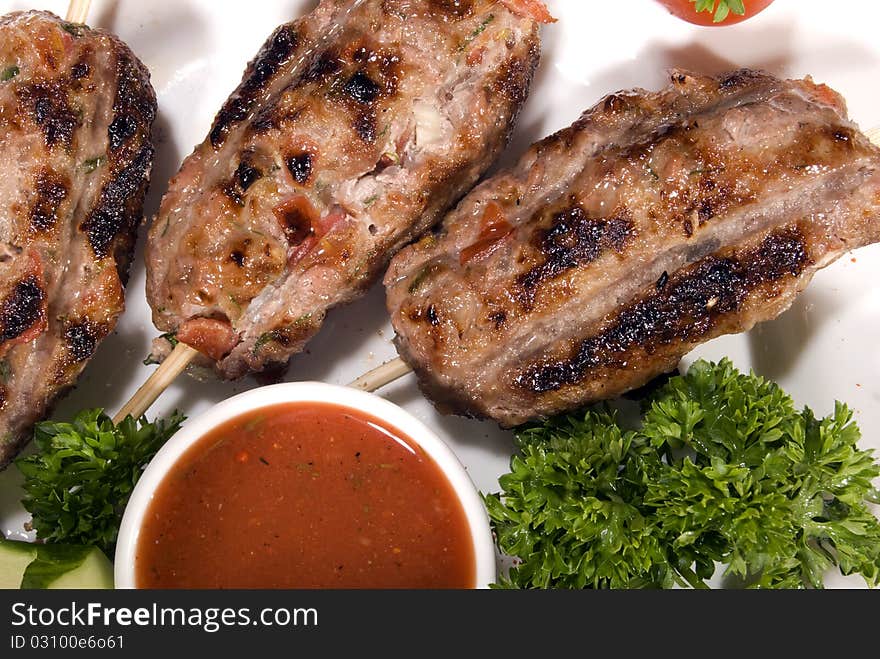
x,y
722,470
79,481
720,9
567,508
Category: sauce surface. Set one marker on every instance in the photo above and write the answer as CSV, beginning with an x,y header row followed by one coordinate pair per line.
x,y
305,495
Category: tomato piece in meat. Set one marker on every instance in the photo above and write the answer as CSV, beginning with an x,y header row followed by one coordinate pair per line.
x,y
705,13
534,9
495,228
212,337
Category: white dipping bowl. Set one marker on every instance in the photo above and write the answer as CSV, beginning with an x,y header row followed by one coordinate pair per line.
x,y
394,416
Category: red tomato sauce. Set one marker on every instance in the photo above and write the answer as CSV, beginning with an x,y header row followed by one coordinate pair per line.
x,y
305,495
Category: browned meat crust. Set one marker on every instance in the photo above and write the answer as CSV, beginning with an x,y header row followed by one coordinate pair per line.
x,y
76,112
352,131
656,222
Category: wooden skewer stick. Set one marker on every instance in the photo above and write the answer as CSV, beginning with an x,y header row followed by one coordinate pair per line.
x,y
381,375
182,355
78,11
158,381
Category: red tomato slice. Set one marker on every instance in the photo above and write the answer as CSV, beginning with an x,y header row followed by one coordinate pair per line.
x,y
534,9
212,337
686,10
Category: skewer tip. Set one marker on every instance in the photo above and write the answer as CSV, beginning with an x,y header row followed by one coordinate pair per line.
x,y
381,375
78,11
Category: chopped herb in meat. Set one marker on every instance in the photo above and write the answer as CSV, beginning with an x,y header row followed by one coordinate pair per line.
x,y
92,164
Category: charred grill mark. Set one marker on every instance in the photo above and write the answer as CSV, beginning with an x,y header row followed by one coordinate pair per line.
x,y
683,311
271,59
498,319
236,187
297,219
48,106
111,223
265,120
705,211
81,340
111,216
284,336
80,70
358,78
514,77
134,104
783,253
121,130
574,240
246,175
361,88
296,227
382,66
365,127
51,189
288,335
375,77
841,134
688,227
618,230
22,308
300,166
326,65
662,281
431,315
740,78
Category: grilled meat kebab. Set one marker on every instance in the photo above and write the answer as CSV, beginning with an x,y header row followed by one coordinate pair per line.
x,y
656,222
76,115
351,133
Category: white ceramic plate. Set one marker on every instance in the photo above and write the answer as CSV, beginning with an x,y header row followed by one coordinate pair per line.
x,y
826,347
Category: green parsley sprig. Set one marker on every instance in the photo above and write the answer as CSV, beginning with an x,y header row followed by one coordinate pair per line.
x,y
721,8
721,470
78,482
